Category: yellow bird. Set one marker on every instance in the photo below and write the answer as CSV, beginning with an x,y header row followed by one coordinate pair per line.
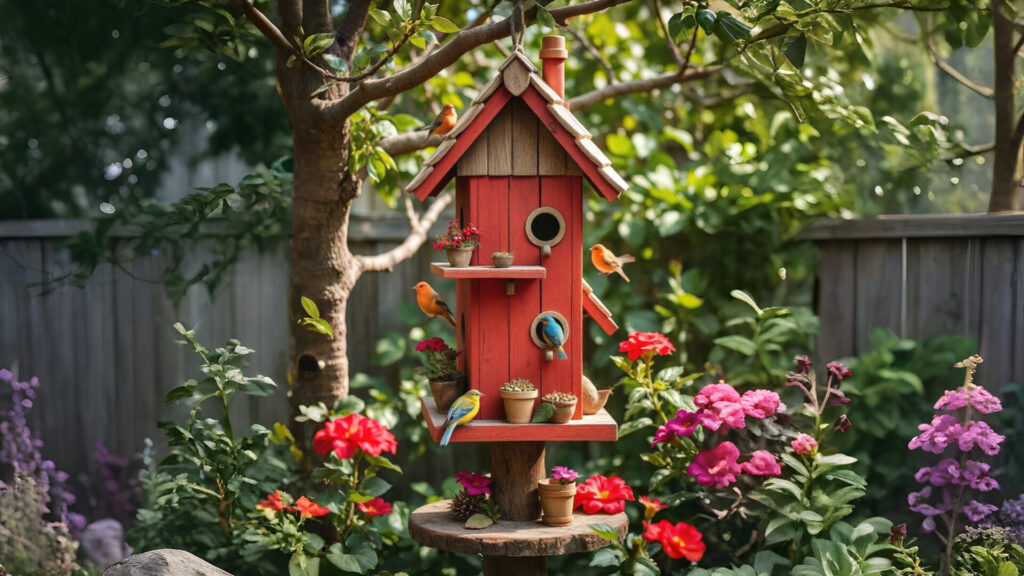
x,y
462,411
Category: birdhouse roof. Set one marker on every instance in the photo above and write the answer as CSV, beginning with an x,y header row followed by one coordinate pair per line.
x,y
518,77
597,310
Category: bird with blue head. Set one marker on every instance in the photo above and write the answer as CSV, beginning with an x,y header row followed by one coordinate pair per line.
x,y
553,335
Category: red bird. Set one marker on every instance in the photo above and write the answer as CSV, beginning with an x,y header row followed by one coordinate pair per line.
x,y
444,122
431,303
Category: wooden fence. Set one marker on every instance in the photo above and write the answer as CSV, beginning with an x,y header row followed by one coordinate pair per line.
x,y
106,355
922,276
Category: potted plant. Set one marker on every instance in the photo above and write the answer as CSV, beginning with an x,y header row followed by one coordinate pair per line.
x,y
556,496
458,243
441,372
518,396
565,406
502,259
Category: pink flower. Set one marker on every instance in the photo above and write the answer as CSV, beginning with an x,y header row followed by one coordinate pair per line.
x,y
760,403
716,467
474,483
683,424
977,397
838,371
980,434
975,511
934,437
721,405
804,444
564,474
762,463
714,393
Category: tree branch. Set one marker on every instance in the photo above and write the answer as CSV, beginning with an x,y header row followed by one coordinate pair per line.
x,y
419,226
351,28
645,85
957,75
266,27
668,37
977,150
608,70
447,55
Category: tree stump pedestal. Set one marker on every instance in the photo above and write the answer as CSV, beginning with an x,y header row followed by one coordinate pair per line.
x,y
518,544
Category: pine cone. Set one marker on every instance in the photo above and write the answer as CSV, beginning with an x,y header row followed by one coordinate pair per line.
x,y
464,505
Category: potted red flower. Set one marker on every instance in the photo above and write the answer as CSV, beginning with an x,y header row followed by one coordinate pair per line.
x,y
458,243
557,495
441,372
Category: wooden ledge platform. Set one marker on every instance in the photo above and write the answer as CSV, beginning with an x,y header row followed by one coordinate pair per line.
x,y
600,427
445,271
432,525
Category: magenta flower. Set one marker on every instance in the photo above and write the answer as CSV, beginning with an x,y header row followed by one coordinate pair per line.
x,y
762,463
662,434
683,424
980,434
934,437
975,397
717,467
804,444
714,393
474,483
760,403
838,371
564,474
803,364
431,345
976,511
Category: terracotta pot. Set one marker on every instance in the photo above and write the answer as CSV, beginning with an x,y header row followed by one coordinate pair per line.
x,y
563,412
518,406
502,261
459,257
556,501
594,407
445,392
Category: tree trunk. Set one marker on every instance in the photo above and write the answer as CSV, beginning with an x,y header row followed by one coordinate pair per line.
x,y
1006,185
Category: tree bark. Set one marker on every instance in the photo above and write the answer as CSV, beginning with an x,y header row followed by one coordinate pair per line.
x,y
1006,186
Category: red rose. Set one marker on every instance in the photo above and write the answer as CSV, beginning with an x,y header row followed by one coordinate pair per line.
x,y
640,343
375,507
354,432
600,494
309,509
678,540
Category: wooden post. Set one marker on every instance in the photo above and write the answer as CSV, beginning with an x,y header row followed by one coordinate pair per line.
x,y
516,467
515,566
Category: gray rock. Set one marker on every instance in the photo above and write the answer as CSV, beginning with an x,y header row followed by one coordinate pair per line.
x,y
103,542
164,563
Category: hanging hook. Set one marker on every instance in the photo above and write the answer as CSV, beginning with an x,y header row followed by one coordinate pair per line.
x,y
517,21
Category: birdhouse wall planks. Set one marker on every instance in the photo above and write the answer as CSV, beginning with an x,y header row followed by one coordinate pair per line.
x,y
520,158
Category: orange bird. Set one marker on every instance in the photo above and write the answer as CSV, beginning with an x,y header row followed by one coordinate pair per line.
x,y
431,303
606,262
444,122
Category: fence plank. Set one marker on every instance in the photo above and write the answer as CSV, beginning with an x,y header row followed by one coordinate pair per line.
x,y
836,300
879,288
996,338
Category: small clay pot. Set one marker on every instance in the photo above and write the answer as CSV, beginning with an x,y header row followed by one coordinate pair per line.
x,y
502,260
563,412
556,501
445,392
518,406
459,257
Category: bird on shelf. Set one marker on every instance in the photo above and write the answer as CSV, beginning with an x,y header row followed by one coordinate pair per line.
x,y
444,122
431,303
552,334
462,411
606,262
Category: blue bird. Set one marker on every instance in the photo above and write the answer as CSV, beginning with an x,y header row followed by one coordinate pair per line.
x,y
551,332
462,411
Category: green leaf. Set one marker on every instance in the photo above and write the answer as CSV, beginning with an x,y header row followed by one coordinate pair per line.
x,y
543,413
380,16
681,23
178,394
544,18
605,531
443,25
314,542
631,426
794,48
744,297
359,558
620,145
734,28
478,522
382,462
318,325
337,63
404,9
738,343
606,557
310,307
258,386
317,43
374,486
706,19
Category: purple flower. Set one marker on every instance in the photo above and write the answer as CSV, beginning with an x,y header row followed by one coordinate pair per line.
x,y
982,435
934,437
803,364
974,396
975,510
564,474
838,371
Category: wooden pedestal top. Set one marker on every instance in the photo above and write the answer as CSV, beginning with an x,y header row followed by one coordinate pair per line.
x,y
432,525
443,270
600,427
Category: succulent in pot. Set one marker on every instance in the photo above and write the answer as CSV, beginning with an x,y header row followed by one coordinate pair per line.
x,y
565,406
557,493
518,395
441,371
502,259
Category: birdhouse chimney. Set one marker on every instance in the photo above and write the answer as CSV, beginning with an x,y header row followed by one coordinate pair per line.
x,y
553,55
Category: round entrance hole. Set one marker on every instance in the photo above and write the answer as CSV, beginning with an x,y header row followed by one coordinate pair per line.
x,y
545,226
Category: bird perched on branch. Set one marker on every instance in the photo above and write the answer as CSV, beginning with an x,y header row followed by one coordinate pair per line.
x,y
444,122
462,411
431,303
552,334
606,262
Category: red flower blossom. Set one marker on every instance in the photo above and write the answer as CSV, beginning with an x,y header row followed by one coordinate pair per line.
x,y
603,494
272,502
375,507
432,345
651,506
345,435
309,509
640,343
474,483
678,540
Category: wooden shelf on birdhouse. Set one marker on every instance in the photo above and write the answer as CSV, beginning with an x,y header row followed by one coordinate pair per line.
x,y
447,272
600,427
432,525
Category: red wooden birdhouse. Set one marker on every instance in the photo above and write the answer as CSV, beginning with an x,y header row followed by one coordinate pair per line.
x,y
519,158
